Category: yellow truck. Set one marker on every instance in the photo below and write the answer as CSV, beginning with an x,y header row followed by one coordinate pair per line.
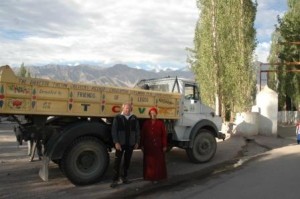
x,y
73,120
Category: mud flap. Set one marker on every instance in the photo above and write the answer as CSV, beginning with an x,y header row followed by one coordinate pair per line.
x,y
44,170
221,136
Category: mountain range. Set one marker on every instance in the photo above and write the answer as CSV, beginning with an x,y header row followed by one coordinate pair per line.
x,y
117,75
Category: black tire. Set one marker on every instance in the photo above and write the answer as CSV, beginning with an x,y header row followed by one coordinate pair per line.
x,y
204,147
170,145
57,161
169,148
85,161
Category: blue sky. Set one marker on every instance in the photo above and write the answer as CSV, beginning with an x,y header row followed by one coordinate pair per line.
x,y
143,34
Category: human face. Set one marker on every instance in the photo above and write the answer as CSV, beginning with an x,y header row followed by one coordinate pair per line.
x,y
127,109
153,115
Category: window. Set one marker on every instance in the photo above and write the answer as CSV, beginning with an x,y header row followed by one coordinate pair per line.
x,y
160,87
191,92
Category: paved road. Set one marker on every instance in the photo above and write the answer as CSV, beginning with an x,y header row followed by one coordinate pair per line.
x,y
274,174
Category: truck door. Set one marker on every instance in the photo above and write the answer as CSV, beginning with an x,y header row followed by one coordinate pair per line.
x,y
192,104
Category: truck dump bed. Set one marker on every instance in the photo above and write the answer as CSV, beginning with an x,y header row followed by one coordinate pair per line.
x,y
34,96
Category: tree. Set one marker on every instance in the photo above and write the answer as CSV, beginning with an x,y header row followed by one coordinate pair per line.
x,y
222,58
285,50
22,71
28,73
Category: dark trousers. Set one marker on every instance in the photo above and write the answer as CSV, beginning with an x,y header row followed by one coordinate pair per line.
x,y
127,152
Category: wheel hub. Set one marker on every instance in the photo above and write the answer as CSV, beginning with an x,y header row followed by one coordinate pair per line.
x,y
203,147
86,160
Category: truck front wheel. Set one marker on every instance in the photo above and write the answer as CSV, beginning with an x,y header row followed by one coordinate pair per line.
x,y
204,147
85,161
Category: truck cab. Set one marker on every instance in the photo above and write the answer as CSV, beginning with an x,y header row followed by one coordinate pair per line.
x,y
198,126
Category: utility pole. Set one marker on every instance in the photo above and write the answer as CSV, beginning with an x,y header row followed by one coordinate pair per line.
x,y
280,64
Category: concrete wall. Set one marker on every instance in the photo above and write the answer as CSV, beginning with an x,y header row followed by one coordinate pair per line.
x,y
263,117
267,101
288,117
246,123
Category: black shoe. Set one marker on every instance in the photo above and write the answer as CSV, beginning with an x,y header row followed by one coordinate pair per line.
x,y
154,182
125,181
114,184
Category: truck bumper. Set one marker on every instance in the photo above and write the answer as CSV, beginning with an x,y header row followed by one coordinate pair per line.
x,y
221,136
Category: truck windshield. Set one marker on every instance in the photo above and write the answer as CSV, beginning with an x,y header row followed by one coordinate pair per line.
x,y
160,87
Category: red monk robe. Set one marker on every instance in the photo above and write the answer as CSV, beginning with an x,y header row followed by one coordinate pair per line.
x,y
153,140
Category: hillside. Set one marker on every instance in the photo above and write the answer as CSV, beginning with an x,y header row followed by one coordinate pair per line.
x,y
117,75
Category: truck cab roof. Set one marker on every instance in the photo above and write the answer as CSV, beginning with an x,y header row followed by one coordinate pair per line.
x,y
166,84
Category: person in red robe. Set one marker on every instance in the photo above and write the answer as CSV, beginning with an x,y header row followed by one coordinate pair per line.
x,y
154,146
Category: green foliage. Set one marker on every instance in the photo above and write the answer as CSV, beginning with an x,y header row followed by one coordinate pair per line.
x,y
283,50
222,58
23,72
28,73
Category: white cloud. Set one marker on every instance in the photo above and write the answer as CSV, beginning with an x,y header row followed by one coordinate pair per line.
x,y
106,32
262,51
266,19
138,33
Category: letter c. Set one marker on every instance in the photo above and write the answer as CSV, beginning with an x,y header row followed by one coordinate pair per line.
x,y
116,109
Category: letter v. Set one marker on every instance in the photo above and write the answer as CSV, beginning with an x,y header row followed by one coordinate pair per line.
x,y
142,110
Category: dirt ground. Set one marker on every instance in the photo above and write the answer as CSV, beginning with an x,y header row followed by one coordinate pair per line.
x,y
19,177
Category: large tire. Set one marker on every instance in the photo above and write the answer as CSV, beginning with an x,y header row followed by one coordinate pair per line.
x,y
204,147
59,163
56,161
169,148
170,145
85,161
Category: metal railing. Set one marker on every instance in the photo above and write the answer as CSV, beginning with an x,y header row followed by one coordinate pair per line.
x,y
288,117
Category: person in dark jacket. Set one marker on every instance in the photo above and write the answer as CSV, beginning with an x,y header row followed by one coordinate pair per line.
x,y
126,138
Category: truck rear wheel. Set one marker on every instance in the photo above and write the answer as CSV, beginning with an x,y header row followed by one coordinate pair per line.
x,y
85,161
204,147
